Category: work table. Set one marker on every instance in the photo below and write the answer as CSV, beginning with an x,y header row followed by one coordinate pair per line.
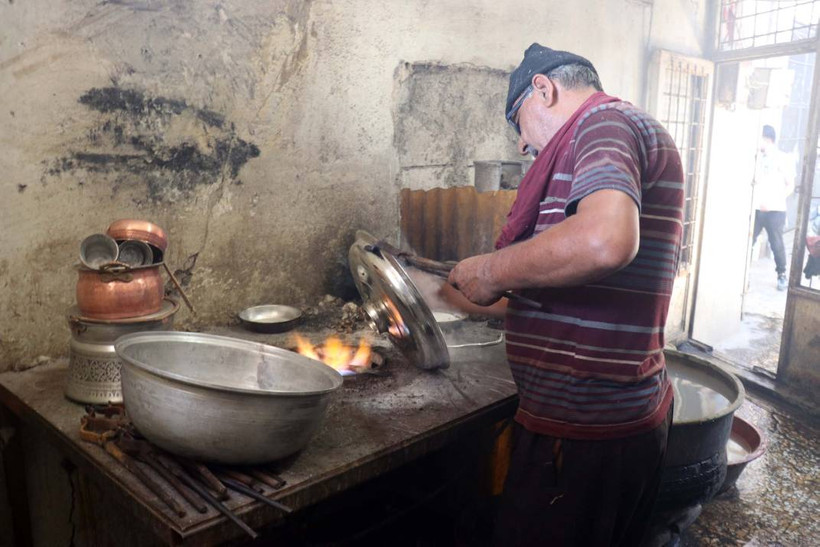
x,y
375,423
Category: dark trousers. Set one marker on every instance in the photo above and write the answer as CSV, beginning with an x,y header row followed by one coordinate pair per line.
x,y
562,492
773,221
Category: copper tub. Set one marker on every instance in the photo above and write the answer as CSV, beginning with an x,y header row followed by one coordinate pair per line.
x,y
140,230
118,292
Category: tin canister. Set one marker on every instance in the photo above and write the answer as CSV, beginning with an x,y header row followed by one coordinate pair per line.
x,y
93,366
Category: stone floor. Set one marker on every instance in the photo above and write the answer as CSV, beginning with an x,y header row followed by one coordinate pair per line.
x,y
756,344
776,501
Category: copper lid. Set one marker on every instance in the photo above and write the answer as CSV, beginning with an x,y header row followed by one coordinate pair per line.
x,y
141,230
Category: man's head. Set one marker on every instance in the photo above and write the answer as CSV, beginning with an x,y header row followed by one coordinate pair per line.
x,y
768,138
544,91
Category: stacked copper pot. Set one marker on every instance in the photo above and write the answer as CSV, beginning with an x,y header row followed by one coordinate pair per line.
x,y
119,290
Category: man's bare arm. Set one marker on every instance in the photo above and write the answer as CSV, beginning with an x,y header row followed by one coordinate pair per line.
x,y
601,238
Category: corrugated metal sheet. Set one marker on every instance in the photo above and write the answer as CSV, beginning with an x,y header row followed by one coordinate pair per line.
x,y
452,223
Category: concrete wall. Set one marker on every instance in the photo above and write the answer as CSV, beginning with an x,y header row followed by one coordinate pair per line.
x,y
261,135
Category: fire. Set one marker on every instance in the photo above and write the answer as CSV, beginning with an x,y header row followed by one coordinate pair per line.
x,y
335,353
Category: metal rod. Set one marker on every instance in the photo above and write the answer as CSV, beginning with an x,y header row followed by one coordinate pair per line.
x,y
241,477
185,492
478,344
268,472
272,481
441,269
207,496
179,287
152,485
242,489
506,294
208,478
144,453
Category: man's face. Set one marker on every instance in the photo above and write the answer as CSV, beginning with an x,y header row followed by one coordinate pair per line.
x,y
534,116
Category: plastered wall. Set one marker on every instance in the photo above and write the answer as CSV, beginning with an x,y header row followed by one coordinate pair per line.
x,y
261,135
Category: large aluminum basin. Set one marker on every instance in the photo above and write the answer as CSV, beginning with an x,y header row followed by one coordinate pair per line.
x,y
218,399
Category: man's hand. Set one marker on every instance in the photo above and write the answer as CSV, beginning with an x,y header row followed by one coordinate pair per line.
x,y
472,277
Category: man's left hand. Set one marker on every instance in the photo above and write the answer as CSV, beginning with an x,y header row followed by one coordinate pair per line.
x,y
472,277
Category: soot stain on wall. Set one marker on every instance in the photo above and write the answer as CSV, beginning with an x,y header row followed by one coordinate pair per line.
x,y
165,143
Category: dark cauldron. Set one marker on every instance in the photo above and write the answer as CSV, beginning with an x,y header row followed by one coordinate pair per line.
x,y
706,397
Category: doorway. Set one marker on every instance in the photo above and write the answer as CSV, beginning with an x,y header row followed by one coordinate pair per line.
x,y
739,308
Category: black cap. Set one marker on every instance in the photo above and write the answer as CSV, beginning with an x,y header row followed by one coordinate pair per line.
x,y
768,133
539,60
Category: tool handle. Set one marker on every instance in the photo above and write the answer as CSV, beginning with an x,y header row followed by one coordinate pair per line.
x,y
179,287
442,269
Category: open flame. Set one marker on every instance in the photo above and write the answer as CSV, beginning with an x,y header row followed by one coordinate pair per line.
x,y
335,353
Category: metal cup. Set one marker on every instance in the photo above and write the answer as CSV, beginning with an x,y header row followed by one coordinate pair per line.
x,y
136,253
97,250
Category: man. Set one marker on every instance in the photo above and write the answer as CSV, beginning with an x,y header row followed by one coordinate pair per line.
x,y
772,185
594,236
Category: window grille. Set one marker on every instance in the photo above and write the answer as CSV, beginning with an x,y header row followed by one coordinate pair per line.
x,y
682,110
753,23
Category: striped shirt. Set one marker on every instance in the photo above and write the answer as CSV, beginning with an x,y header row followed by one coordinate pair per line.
x,y
590,363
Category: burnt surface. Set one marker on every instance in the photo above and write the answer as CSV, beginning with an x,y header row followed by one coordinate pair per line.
x,y
166,144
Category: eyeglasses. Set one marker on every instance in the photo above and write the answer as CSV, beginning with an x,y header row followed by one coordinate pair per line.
x,y
516,107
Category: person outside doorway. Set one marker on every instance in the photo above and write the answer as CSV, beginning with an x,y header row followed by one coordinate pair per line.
x,y
772,185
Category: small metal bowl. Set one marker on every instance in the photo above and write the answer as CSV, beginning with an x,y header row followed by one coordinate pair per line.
x,y
136,253
270,318
97,250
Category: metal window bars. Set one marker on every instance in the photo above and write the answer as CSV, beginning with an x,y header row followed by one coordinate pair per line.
x,y
683,108
753,23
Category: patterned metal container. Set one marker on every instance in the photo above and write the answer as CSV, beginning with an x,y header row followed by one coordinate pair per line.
x,y
93,366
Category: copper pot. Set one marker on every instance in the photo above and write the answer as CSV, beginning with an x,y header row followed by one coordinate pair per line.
x,y
141,230
117,291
